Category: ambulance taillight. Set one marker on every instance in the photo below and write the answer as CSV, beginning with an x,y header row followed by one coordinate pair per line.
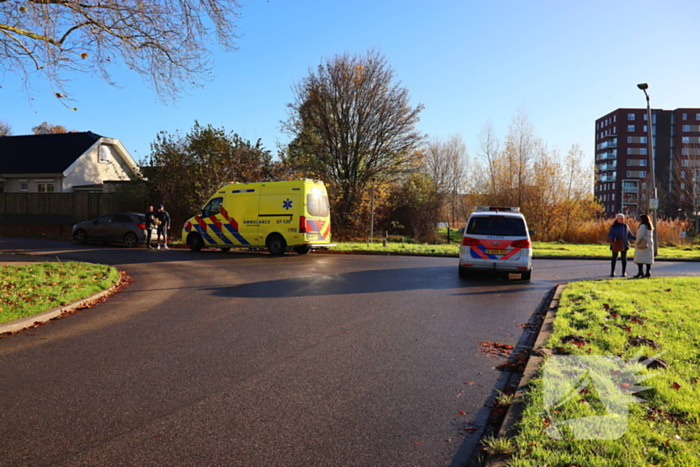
x,y
302,224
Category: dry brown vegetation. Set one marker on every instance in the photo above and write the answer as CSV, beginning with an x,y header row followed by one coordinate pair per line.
x,y
596,231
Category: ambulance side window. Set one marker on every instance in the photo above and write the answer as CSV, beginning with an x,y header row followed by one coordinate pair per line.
x,y
212,208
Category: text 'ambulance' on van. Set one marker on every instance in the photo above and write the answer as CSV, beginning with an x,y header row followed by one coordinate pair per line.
x,y
276,215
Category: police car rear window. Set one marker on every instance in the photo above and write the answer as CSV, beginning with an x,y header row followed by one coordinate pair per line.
x,y
317,205
502,226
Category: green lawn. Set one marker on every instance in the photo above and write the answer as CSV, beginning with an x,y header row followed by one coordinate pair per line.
x,y
540,249
607,318
31,289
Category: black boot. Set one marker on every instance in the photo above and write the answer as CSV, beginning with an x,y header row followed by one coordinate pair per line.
x,y
640,274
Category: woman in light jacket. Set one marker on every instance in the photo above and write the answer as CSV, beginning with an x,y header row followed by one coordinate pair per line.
x,y
644,256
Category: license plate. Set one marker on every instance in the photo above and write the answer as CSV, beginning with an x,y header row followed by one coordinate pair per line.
x,y
496,252
312,236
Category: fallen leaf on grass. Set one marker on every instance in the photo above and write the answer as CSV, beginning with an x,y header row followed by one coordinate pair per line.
x,y
676,386
417,443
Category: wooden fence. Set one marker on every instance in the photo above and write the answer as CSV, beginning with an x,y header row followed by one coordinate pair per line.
x,y
59,208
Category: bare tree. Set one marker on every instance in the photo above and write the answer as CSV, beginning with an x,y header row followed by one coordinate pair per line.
x,y
352,122
685,187
489,152
166,42
46,129
522,146
5,129
446,163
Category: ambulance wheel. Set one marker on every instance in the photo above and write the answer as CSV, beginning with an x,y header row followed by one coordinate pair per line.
x,y
195,242
302,250
225,249
276,244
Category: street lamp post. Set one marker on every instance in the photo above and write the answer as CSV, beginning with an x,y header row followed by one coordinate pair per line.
x,y
654,202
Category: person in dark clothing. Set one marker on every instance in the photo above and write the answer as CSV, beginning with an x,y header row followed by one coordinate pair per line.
x,y
619,236
163,225
150,218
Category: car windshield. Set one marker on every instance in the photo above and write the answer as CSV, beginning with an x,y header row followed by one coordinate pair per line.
x,y
493,225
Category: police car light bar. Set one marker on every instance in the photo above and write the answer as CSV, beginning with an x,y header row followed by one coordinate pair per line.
x,y
498,208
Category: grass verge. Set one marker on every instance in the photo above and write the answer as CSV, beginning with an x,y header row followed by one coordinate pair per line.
x,y
30,289
618,319
540,249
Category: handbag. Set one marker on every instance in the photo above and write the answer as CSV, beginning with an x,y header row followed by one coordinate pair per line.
x,y
617,245
642,244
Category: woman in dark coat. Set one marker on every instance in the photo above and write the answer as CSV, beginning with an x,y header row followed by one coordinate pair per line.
x,y
619,236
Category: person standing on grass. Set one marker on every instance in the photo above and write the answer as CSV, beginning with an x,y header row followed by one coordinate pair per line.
x,y
150,221
164,218
644,248
619,236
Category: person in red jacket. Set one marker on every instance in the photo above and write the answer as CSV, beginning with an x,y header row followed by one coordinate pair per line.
x,y
619,236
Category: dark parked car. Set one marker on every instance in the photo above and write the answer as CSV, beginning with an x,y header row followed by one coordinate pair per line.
x,y
128,228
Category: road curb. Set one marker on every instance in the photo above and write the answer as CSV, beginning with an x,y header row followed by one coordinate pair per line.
x,y
514,413
41,318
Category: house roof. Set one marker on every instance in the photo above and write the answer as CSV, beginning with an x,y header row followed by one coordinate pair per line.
x,y
52,153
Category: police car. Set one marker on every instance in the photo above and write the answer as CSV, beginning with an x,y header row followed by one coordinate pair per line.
x,y
496,239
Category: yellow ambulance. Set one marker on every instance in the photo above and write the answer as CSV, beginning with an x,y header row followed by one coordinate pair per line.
x,y
276,215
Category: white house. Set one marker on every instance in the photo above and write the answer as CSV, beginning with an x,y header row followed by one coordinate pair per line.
x,y
63,163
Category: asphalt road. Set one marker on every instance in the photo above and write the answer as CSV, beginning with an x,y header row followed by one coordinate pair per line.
x,y
243,359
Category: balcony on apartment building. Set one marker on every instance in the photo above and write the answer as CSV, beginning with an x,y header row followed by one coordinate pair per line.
x,y
608,141
606,155
608,177
630,187
607,166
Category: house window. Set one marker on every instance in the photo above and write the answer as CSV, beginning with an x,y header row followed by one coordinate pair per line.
x,y
45,187
684,151
697,117
24,185
683,174
630,127
630,117
686,139
686,127
103,154
684,163
682,186
643,151
685,116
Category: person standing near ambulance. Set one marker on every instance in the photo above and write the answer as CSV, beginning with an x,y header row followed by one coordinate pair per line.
x,y
162,229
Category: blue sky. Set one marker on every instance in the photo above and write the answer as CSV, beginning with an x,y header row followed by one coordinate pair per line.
x,y
468,62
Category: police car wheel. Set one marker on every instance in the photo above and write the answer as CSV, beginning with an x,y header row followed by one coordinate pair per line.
x,y
276,244
195,242
463,272
526,275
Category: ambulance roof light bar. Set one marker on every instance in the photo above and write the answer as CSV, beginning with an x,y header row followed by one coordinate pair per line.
x,y
498,208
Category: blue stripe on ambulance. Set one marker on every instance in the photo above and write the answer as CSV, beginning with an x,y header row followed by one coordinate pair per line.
x,y
204,233
237,234
220,234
